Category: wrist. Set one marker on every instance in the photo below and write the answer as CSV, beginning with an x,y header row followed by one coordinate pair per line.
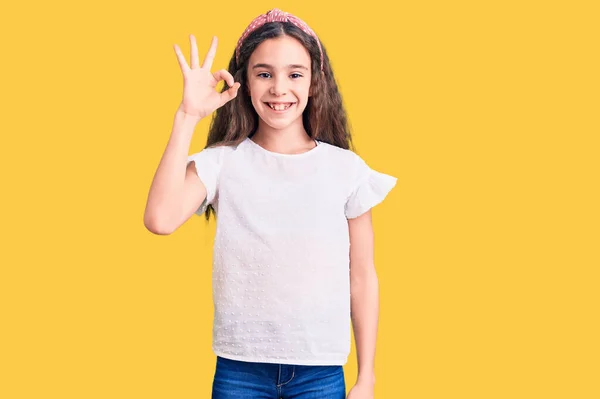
x,y
366,378
181,114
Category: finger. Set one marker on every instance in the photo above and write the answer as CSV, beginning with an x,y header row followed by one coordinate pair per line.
x,y
210,56
230,93
194,61
223,74
182,62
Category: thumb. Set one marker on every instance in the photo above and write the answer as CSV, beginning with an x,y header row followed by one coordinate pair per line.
x,y
230,93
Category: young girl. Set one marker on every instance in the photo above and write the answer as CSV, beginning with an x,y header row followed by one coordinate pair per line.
x,y
293,254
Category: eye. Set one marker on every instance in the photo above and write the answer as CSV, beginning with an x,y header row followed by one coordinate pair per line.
x,y
268,75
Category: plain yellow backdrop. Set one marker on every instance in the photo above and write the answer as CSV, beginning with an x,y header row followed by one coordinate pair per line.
x,y
487,250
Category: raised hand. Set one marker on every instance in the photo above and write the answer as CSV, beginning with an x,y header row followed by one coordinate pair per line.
x,y
200,98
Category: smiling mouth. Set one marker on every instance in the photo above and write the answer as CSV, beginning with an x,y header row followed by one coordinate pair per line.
x,y
279,106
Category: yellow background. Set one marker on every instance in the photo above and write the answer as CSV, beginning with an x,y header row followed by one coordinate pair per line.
x,y
487,250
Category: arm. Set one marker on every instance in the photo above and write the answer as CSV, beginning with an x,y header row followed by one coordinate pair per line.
x,y
364,291
176,191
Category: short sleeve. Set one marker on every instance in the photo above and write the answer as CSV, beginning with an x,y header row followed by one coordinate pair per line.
x,y
208,164
370,187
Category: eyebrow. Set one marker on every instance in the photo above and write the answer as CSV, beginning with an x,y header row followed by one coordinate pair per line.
x,y
290,66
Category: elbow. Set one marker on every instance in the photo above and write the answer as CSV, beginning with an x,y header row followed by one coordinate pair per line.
x,y
159,231
157,227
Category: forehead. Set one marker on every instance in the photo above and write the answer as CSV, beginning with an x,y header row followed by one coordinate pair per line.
x,y
280,51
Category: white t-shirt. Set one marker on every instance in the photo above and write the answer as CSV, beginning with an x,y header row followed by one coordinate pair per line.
x,y
281,287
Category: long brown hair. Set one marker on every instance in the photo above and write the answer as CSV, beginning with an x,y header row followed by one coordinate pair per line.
x,y
324,117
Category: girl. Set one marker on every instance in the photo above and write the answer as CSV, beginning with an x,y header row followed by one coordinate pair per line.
x,y
293,254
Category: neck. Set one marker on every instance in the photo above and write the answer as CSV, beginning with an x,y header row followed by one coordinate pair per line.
x,y
292,139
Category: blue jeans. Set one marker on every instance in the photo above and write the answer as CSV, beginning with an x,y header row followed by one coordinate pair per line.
x,y
249,380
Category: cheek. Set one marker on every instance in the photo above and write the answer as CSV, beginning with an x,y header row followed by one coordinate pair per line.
x,y
308,90
257,91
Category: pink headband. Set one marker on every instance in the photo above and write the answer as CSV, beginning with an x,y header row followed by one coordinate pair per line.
x,y
276,15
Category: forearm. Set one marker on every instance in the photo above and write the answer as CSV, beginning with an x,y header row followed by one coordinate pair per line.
x,y
364,289
166,190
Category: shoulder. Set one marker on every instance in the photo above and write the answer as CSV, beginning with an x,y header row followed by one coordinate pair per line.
x,y
215,153
346,159
223,148
341,154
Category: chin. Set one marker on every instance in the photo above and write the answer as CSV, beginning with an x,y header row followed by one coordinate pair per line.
x,y
280,122
278,125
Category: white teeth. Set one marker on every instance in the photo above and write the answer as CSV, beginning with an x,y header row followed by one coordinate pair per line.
x,y
280,107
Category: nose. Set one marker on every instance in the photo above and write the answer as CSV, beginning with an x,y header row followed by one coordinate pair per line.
x,y
278,87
